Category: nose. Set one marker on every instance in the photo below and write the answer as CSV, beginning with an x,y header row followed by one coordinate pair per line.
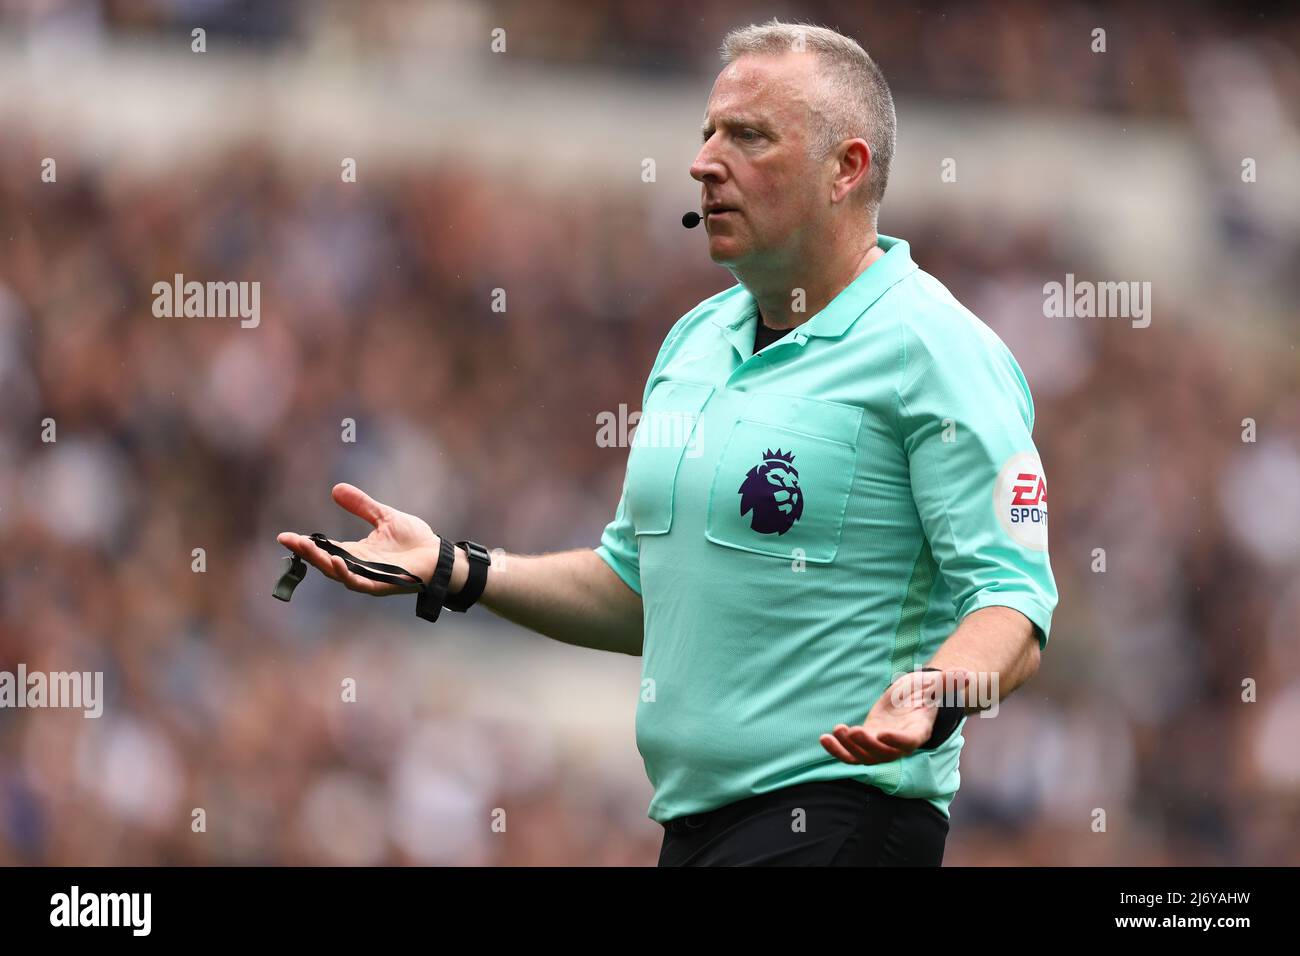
x,y
707,165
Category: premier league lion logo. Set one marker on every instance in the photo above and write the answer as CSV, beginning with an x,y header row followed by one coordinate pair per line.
x,y
771,491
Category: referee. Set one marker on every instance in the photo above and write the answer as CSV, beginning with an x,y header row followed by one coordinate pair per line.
x,y
844,551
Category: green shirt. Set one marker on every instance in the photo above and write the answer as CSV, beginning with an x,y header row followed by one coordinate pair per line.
x,y
805,523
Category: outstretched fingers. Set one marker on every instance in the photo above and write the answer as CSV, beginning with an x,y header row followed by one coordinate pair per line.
x,y
306,549
353,499
857,745
837,749
870,744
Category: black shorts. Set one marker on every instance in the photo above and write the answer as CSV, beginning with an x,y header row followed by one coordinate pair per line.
x,y
844,823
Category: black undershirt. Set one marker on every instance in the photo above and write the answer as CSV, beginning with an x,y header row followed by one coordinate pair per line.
x,y
765,336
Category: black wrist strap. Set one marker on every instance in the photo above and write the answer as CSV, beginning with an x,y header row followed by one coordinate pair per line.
x,y
479,562
432,595
945,722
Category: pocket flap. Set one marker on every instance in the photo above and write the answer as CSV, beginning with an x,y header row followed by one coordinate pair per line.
x,y
663,433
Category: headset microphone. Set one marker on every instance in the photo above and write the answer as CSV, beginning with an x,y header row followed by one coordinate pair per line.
x,y
691,220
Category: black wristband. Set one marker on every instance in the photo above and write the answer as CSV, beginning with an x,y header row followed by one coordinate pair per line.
x,y
945,722
479,561
432,599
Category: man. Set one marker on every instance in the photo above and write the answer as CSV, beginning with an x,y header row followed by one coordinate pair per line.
x,y
858,496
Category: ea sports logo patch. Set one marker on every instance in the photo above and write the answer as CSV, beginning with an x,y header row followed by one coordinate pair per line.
x,y
771,491
1020,501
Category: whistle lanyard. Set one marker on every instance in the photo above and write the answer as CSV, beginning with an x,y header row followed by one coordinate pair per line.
x,y
432,595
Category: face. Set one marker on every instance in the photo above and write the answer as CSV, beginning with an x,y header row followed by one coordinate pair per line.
x,y
754,161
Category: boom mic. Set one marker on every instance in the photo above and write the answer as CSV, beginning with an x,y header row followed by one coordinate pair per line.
x,y
691,220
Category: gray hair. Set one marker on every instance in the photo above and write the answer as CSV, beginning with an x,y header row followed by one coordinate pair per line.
x,y
855,101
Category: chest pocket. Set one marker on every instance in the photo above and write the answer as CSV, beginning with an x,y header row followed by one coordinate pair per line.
x,y
663,435
784,476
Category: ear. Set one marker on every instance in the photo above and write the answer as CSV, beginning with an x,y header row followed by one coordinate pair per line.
x,y
852,168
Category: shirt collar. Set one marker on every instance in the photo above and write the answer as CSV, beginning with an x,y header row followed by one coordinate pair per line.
x,y
843,310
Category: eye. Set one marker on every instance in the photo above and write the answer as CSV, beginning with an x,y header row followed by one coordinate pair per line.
x,y
748,135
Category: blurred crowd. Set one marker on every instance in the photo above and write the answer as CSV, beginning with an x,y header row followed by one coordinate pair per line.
x,y
176,434
1174,540
1026,52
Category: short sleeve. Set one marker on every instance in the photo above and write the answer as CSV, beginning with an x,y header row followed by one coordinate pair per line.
x,y
965,419
618,547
